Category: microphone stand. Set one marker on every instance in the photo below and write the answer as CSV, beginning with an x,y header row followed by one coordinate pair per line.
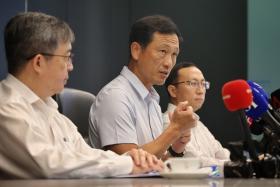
x,y
247,136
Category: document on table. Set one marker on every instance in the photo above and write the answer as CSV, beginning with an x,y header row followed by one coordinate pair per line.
x,y
151,174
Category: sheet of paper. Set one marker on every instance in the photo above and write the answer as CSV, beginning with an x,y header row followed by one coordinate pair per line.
x,y
151,174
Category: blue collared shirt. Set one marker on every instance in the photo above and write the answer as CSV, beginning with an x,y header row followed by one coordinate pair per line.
x,y
125,111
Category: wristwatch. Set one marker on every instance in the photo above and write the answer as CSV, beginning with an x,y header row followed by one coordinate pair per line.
x,y
173,153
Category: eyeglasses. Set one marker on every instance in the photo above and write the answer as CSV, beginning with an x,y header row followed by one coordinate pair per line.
x,y
195,84
68,58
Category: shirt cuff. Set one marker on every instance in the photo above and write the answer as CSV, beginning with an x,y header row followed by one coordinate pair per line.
x,y
123,165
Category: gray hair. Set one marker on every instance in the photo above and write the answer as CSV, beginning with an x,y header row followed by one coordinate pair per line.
x,y
30,33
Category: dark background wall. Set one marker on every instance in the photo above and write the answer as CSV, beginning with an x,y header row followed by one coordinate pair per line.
x,y
8,9
214,38
101,29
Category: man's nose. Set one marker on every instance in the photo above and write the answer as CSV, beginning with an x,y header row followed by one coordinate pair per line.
x,y
70,66
169,61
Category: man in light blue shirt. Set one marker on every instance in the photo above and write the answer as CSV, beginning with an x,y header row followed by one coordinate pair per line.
x,y
126,113
138,126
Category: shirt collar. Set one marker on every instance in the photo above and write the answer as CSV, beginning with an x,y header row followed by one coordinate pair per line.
x,y
27,93
138,85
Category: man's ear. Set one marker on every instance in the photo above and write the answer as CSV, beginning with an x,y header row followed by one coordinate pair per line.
x,y
135,50
172,90
38,63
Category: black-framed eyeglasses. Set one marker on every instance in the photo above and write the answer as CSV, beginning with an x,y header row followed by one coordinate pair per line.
x,y
195,84
69,58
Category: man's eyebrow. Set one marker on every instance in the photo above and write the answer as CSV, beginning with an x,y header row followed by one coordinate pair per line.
x,y
195,79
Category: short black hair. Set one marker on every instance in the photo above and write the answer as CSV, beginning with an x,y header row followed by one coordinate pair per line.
x,y
173,76
143,29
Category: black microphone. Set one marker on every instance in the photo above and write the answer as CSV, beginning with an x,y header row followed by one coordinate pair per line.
x,y
275,103
257,130
275,100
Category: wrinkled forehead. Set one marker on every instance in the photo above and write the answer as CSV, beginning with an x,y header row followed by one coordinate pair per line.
x,y
170,38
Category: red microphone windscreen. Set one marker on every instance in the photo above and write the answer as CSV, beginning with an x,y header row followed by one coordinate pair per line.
x,y
237,95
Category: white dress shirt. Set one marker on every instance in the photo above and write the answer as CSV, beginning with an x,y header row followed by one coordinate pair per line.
x,y
202,144
36,141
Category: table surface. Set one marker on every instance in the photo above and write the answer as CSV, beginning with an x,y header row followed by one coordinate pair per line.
x,y
142,182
